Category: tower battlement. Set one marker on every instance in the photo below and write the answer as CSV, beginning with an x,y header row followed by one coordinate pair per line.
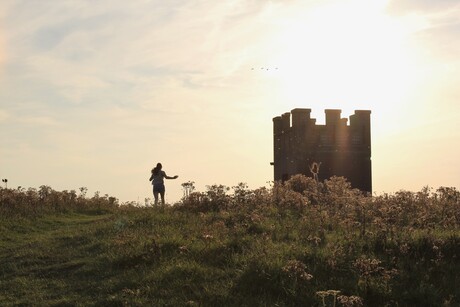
x,y
343,147
302,117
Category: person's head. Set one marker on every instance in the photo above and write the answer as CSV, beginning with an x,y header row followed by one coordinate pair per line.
x,y
156,169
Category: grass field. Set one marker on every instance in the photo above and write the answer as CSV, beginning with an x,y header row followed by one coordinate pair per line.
x,y
299,244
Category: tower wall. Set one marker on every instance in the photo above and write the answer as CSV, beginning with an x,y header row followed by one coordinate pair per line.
x,y
343,150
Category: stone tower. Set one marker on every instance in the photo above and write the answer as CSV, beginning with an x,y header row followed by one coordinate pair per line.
x,y
342,149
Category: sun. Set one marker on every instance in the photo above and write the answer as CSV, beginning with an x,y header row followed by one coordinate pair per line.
x,y
348,54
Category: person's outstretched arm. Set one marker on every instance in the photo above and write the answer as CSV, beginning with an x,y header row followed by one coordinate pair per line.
x,y
174,177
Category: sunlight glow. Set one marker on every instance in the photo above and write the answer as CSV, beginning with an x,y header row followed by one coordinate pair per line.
x,y
345,56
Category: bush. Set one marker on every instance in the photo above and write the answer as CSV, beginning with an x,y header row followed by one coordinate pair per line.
x,y
32,202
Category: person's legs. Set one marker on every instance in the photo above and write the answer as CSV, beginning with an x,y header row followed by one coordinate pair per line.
x,y
155,195
162,193
159,189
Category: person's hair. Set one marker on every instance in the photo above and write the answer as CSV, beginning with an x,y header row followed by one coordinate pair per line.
x,y
156,169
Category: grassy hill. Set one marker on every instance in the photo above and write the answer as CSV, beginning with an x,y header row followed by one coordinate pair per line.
x,y
298,244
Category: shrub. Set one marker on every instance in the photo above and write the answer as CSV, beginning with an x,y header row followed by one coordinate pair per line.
x,y
32,202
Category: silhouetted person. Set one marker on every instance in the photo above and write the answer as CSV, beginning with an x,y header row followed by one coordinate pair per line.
x,y
157,179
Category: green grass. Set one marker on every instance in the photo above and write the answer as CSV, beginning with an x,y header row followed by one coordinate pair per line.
x,y
50,260
161,257
225,252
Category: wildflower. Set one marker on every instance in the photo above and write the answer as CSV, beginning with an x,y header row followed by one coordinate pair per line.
x,y
350,301
404,248
368,266
297,270
207,237
324,294
315,240
183,249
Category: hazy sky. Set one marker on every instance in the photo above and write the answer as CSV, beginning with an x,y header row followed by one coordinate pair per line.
x,y
95,93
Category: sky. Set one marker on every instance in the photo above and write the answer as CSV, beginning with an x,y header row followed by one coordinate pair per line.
x,y
95,93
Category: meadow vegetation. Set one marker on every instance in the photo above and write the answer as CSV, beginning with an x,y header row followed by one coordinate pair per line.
x,y
300,243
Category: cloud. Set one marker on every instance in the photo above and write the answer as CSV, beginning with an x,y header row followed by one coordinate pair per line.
x,y
399,7
438,35
88,52
4,115
38,121
442,41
